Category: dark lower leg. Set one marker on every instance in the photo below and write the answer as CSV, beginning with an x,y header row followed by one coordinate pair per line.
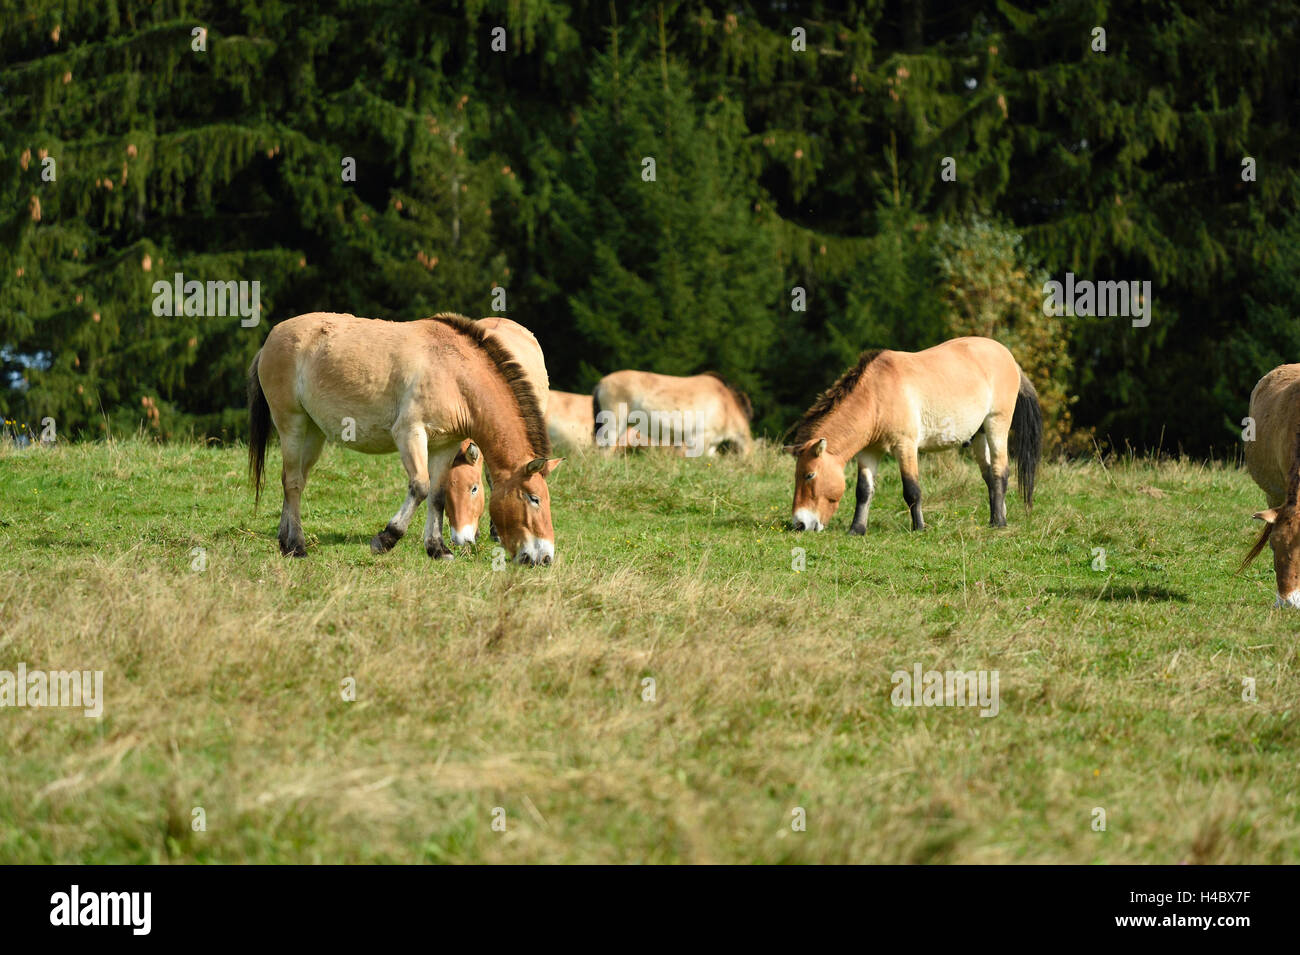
x,y
434,545
292,541
912,495
865,489
386,539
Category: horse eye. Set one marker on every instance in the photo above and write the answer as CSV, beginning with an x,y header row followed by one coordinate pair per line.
x,y
474,489
535,499
810,475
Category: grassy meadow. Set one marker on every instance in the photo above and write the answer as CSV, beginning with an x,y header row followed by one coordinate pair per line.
x,y
522,688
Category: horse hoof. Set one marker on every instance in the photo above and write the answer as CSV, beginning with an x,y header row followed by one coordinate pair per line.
x,y
857,530
439,553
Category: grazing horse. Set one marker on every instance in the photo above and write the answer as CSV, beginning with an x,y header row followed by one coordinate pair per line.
x,y
463,498
569,421
462,493
1273,460
698,415
419,388
964,391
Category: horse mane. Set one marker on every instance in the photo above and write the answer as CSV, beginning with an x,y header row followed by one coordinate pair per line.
x,y
742,399
830,398
513,373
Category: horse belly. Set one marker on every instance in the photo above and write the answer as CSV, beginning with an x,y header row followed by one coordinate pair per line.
x,y
368,430
947,427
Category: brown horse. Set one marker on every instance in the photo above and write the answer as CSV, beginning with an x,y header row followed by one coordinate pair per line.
x,y
463,498
697,415
1273,460
964,391
419,388
569,421
462,493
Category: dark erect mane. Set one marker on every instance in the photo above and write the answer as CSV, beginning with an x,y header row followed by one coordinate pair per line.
x,y
513,373
742,399
831,397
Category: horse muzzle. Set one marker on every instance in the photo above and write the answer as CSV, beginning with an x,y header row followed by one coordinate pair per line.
x,y
465,535
535,552
805,520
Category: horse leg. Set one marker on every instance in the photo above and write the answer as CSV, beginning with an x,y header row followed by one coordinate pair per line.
x,y
439,462
867,464
997,490
995,432
911,473
414,446
300,445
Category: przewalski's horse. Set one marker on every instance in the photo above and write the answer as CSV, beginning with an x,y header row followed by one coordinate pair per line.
x,y
964,391
697,415
569,421
1273,460
419,388
463,494
463,498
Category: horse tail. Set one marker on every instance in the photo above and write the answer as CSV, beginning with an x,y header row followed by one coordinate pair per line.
x,y
1027,438
595,415
259,428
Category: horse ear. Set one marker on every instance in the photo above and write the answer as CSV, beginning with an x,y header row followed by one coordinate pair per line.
x,y
535,465
819,447
552,464
1268,517
472,453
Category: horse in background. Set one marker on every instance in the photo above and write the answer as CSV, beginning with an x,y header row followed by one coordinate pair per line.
x,y
700,414
570,422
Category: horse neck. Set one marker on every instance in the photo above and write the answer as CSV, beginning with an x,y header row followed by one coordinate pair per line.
x,y
852,424
494,420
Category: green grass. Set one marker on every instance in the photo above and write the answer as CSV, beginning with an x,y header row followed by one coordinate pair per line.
x,y
522,688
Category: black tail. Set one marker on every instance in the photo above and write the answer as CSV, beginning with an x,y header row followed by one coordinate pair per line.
x,y
1027,438
595,415
259,427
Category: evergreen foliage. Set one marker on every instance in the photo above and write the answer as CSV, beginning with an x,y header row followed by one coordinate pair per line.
x,y
783,161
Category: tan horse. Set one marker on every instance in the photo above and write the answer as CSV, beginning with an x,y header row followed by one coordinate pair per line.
x,y
964,391
462,498
418,388
696,415
570,421
1273,460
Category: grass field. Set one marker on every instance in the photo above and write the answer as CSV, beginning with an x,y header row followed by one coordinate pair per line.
x,y
522,689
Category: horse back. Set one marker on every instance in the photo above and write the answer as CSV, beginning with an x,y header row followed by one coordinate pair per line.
x,y
955,386
338,368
